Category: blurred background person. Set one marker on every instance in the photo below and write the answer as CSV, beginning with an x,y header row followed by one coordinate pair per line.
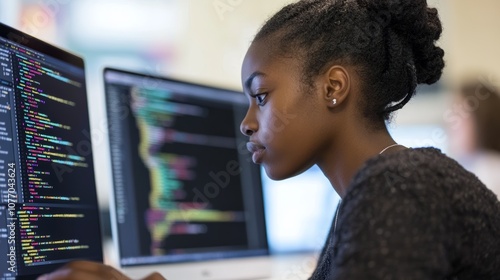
x,y
474,129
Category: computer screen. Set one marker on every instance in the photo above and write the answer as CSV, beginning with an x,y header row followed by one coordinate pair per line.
x,y
185,188
47,186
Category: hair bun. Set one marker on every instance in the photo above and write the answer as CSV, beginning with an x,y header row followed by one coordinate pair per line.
x,y
420,27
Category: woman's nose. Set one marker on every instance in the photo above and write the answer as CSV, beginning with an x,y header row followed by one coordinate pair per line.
x,y
249,124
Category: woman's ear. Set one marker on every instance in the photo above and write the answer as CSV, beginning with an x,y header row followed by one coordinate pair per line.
x,y
336,86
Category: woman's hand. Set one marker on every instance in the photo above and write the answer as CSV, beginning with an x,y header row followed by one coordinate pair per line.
x,y
85,270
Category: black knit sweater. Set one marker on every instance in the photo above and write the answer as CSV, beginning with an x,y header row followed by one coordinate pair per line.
x,y
414,214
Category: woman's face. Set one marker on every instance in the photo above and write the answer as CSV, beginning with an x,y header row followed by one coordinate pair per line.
x,y
285,120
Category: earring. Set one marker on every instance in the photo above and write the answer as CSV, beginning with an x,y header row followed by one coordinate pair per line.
x,y
334,101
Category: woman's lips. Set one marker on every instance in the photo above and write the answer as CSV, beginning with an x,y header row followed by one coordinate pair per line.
x,y
257,151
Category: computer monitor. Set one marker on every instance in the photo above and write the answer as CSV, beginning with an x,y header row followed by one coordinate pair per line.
x,y
48,203
187,197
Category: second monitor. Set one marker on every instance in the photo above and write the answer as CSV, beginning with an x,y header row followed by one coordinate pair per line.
x,y
185,188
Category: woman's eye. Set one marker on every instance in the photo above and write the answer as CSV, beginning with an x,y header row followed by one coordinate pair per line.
x,y
261,98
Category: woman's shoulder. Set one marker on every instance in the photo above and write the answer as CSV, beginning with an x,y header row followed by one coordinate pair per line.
x,y
422,171
423,185
424,178
411,162
418,204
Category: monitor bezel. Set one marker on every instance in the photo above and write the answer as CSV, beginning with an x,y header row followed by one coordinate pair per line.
x,y
48,49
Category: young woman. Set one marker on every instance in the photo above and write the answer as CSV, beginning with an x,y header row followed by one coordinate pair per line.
x,y
323,77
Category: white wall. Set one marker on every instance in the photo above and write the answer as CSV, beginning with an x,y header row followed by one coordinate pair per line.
x,y
474,37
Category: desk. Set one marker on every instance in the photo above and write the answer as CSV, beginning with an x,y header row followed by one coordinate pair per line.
x,y
292,267
283,267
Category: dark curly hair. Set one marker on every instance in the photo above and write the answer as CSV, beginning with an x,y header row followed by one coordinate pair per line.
x,y
391,42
